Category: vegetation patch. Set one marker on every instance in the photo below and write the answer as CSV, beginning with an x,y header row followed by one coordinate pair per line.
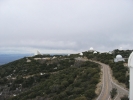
x,y
58,79
113,93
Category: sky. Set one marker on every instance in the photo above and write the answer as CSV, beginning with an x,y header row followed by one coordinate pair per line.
x,y
65,26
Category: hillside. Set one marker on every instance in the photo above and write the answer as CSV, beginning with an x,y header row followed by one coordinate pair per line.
x,y
49,78
46,77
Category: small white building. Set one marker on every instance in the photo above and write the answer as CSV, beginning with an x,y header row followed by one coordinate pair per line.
x,y
95,52
91,49
118,58
81,54
54,57
37,58
46,58
130,65
28,60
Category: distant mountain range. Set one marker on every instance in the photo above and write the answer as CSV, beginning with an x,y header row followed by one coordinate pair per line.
x,y
6,58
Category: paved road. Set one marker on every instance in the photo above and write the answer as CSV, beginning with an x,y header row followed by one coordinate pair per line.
x,y
108,84
106,88
121,91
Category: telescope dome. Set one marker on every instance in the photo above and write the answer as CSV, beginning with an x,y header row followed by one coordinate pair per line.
x,y
130,60
118,56
91,48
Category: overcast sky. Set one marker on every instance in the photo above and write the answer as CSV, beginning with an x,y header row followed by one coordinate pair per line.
x,y
65,26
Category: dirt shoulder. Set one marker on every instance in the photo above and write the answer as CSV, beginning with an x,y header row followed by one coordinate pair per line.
x,y
99,85
116,81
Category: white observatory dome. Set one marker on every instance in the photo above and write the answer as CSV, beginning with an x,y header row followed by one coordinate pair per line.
x,y
118,56
95,52
91,48
130,60
81,54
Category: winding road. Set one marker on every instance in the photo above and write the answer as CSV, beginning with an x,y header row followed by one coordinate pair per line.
x,y
108,84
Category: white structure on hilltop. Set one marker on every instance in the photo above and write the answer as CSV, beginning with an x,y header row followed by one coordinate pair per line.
x,y
95,52
28,60
91,49
81,54
54,57
119,58
130,65
38,53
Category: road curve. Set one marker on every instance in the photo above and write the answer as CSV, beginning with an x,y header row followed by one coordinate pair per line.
x,y
108,84
120,90
105,94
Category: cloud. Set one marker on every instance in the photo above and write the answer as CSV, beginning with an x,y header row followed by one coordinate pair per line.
x,y
66,25
40,44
